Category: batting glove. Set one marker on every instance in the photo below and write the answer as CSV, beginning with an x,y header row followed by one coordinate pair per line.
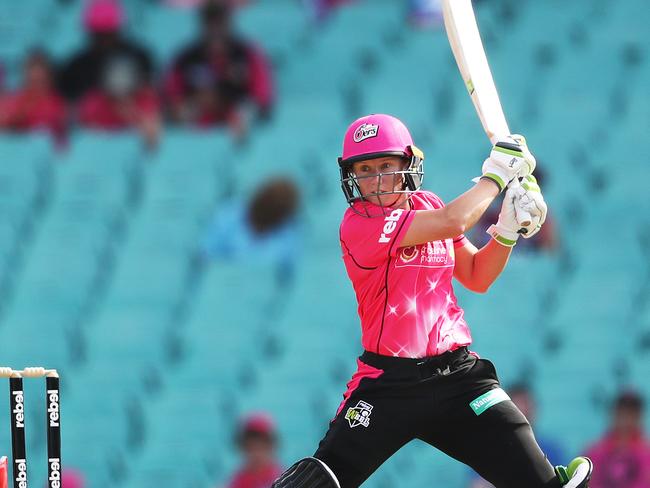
x,y
532,202
508,159
519,200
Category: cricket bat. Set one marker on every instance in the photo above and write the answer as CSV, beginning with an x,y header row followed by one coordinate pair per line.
x,y
466,44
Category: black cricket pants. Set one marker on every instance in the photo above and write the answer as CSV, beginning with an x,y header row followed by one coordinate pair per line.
x,y
435,400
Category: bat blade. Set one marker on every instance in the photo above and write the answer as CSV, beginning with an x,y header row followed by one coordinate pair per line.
x,y
465,41
466,44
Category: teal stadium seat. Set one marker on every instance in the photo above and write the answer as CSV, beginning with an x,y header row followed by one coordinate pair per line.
x,y
275,26
183,429
63,33
165,30
24,185
88,196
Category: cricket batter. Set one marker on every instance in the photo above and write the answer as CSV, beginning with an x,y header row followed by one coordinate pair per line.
x,y
416,378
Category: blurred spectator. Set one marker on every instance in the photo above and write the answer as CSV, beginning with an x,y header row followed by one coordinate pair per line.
x,y
545,240
198,3
521,395
622,457
106,49
257,442
122,102
425,13
319,10
211,79
264,228
36,105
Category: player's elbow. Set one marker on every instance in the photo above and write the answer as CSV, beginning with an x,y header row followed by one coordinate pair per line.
x,y
456,227
477,285
481,288
456,223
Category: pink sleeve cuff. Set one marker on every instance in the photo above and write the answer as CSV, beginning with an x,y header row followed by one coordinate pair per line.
x,y
460,241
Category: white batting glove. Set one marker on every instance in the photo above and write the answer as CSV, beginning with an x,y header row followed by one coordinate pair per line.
x,y
532,202
525,198
505,231
509,158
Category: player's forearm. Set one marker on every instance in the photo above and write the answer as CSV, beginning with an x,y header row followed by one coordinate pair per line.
x,y
489,262
467,209
454,219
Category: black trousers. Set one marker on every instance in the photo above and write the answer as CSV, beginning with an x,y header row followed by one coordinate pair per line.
x,y
452,402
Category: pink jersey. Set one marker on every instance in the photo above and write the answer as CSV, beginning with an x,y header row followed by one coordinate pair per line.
x,y
406,301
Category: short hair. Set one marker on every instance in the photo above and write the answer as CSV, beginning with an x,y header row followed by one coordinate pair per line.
x,y
215,10
272,205
629,399
256,426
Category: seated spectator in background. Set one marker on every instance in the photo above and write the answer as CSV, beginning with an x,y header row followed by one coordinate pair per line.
x,y
257,442
319,10
622,457
85,71
122,102
545,240
521,395
265,228
213,78
425,13
198,3
36,105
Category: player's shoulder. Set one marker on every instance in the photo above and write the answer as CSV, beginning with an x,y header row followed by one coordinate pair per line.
x,y
352,221
425,199
359,222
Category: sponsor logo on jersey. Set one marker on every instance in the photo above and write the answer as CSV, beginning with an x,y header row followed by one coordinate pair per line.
x,y
436,254
359,415
365,131
390,225
409,254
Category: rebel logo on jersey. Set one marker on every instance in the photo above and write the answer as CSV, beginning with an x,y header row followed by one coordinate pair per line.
x,y
390,225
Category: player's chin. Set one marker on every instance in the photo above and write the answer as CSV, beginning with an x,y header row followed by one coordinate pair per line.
x,y
386,199
393,201
374,199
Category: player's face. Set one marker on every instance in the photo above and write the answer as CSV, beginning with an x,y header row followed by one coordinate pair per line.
x,y
376,176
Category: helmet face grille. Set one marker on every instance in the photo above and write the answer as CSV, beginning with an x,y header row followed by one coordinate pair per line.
x,y
411,177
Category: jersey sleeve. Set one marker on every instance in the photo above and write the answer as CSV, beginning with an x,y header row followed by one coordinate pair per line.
x,y
369,241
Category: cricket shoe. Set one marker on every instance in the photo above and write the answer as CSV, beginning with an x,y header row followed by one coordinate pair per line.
x,y
577,474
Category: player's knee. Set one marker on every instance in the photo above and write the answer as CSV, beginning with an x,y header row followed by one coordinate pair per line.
x,y
307,473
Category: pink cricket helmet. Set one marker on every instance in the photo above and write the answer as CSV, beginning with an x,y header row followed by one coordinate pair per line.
x,y
377,136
